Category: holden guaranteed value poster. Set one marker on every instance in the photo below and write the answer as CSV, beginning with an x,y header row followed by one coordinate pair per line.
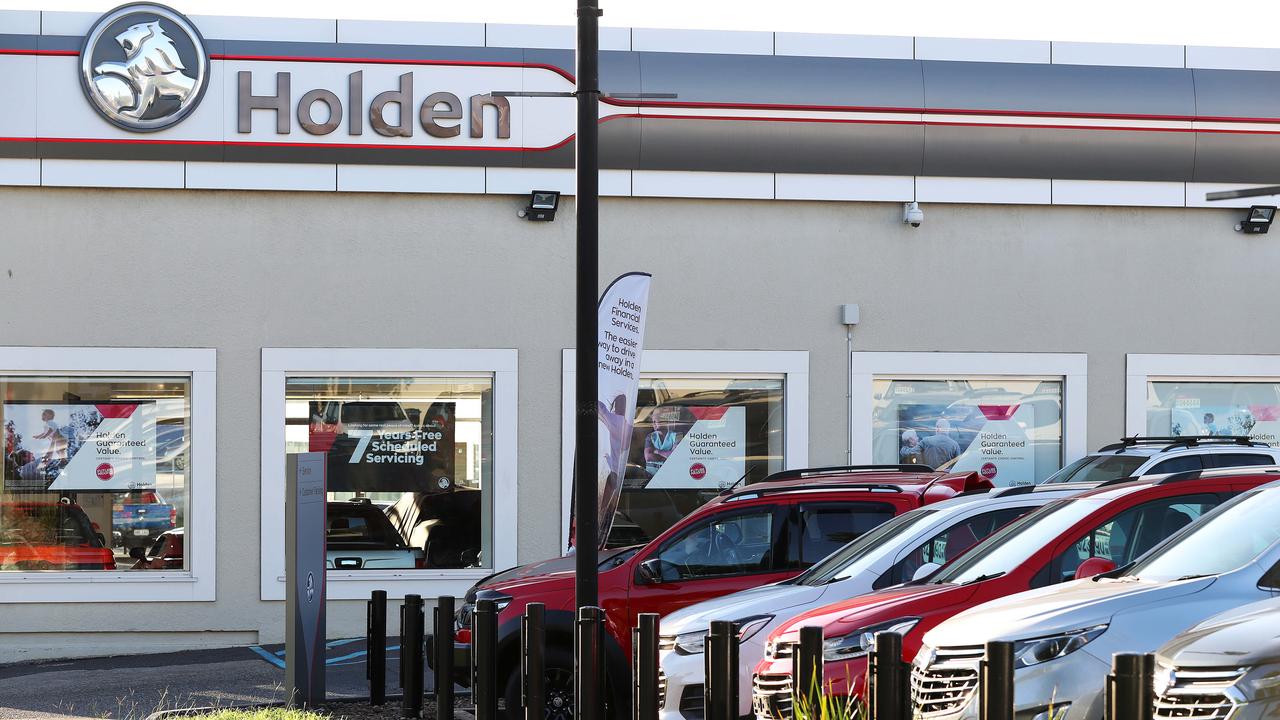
x,y
374,446
107,446
696,447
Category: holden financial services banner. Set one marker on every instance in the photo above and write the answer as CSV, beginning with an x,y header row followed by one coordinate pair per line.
x,y
621,327
80,446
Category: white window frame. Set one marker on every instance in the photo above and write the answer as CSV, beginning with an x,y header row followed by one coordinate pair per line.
x,y
792,366
278,364
1143,368
197,582
1073,368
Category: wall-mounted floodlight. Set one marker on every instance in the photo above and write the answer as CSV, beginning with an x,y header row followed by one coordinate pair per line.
x,y
1259,220
542,205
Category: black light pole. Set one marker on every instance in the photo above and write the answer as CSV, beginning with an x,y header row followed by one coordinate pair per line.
x,y
586,503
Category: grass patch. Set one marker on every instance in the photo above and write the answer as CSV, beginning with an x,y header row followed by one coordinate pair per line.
x,y
264,714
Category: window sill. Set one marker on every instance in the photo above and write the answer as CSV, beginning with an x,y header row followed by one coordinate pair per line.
x,y
91,586
358,584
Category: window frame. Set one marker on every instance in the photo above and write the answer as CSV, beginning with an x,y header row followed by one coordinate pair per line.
x,y
279,364
198,582
1072,368
1141,369
791,365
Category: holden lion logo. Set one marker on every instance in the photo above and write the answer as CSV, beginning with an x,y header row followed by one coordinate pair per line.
x,y
144,67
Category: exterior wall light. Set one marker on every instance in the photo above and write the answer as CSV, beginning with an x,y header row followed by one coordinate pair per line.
x,y
542,206
1259,220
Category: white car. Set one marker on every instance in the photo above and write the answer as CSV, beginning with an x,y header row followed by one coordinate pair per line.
x,y
909,546
1138,456
1064,635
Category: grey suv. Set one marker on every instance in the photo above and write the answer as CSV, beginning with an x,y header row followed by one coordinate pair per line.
x,y
1137,456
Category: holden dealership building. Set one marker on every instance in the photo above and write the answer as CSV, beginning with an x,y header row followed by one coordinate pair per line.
x,y
231,239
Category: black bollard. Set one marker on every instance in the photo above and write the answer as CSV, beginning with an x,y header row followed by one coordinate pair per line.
x,y
720,693
889,690
484,659
533,650
807,672
1129,692
443,647
412,620
375,641
588,661
995,682
644,660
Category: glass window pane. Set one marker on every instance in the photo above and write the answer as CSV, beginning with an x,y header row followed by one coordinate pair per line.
x,y
409,467
1009,429
825,529
1193,407
693,437
95,472
734,545
1133,532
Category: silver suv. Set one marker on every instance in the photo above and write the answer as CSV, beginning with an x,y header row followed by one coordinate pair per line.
x,y
1137,456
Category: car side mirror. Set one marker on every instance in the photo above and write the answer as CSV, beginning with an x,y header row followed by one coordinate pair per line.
x,y
649,572
925,571
138,553
1094,566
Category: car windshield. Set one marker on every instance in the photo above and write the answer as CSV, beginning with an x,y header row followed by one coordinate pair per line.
x,y
1097,468
353,526
1018,541
843,563
1227,540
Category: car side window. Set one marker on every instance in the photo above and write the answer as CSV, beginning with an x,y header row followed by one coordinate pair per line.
x,y
827,527
1241,459
737,544
949,544
1130,534
1184,463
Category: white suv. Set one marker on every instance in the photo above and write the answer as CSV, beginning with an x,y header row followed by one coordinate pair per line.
x,y
907,547
1064,635
1137,456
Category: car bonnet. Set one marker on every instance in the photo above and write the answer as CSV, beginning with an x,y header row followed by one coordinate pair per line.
x,y
902,601
1248,635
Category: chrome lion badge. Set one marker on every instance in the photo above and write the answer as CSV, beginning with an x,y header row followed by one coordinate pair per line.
x,y
144,67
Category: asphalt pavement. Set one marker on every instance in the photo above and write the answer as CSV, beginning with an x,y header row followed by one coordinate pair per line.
x,y
130,687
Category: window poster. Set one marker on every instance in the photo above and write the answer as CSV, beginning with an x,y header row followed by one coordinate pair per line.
x,y
79,446
696,447
378,446
1218,409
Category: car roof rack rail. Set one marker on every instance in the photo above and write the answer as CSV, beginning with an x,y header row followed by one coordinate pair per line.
x,y
1210,473
749,492
1014,490
800,473
1176,441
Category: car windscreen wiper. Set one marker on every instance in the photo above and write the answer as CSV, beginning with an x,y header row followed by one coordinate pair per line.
x,y
980,578
1194,577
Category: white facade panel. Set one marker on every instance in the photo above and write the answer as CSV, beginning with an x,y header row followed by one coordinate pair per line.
x,y
849,46
386,32
702,41
67,23
17,79
260,176
552,37
1109,192
1087,53
1233,58
812,186
997,191
1015,51
410,179
113,173
19,171
19,22
672,183
522,181
223,27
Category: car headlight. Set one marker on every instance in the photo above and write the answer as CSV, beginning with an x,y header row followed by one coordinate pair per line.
x,y
1043,649
1260,683
695,642
863,640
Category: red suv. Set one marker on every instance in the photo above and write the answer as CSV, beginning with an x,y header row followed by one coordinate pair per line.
x,y
1074,537
50,536
750,536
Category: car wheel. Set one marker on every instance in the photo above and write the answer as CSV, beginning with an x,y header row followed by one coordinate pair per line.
x,y
558,680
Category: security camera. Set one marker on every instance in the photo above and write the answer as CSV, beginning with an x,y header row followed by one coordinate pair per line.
x,y
912,214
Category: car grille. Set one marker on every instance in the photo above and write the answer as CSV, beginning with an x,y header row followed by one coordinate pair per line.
x,y
779,650
662,690
947,682
1200,694
771,696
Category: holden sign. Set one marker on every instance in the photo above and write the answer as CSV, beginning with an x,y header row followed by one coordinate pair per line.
x,y
144,67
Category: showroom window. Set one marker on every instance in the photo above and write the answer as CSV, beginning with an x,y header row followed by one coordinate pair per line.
x,y
1008,417
419,451
1204,395
705,421
107,472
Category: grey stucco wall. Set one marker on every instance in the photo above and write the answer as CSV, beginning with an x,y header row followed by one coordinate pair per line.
x,y
238,271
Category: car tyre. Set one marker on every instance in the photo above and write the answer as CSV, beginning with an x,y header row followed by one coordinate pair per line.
x,y
559,688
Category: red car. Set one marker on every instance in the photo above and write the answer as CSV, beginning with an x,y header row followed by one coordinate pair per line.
x,y
750,536
164,554
50,536
1079,536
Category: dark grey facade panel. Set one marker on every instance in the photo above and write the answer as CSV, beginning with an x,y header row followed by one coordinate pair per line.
x,y
967,151
1073,89
782,80
1237,158
18,42
1237,94
788,147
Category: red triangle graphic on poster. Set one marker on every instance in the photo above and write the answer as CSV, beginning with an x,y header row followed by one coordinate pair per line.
x,y
998,412
1265,413
117,410
708,413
